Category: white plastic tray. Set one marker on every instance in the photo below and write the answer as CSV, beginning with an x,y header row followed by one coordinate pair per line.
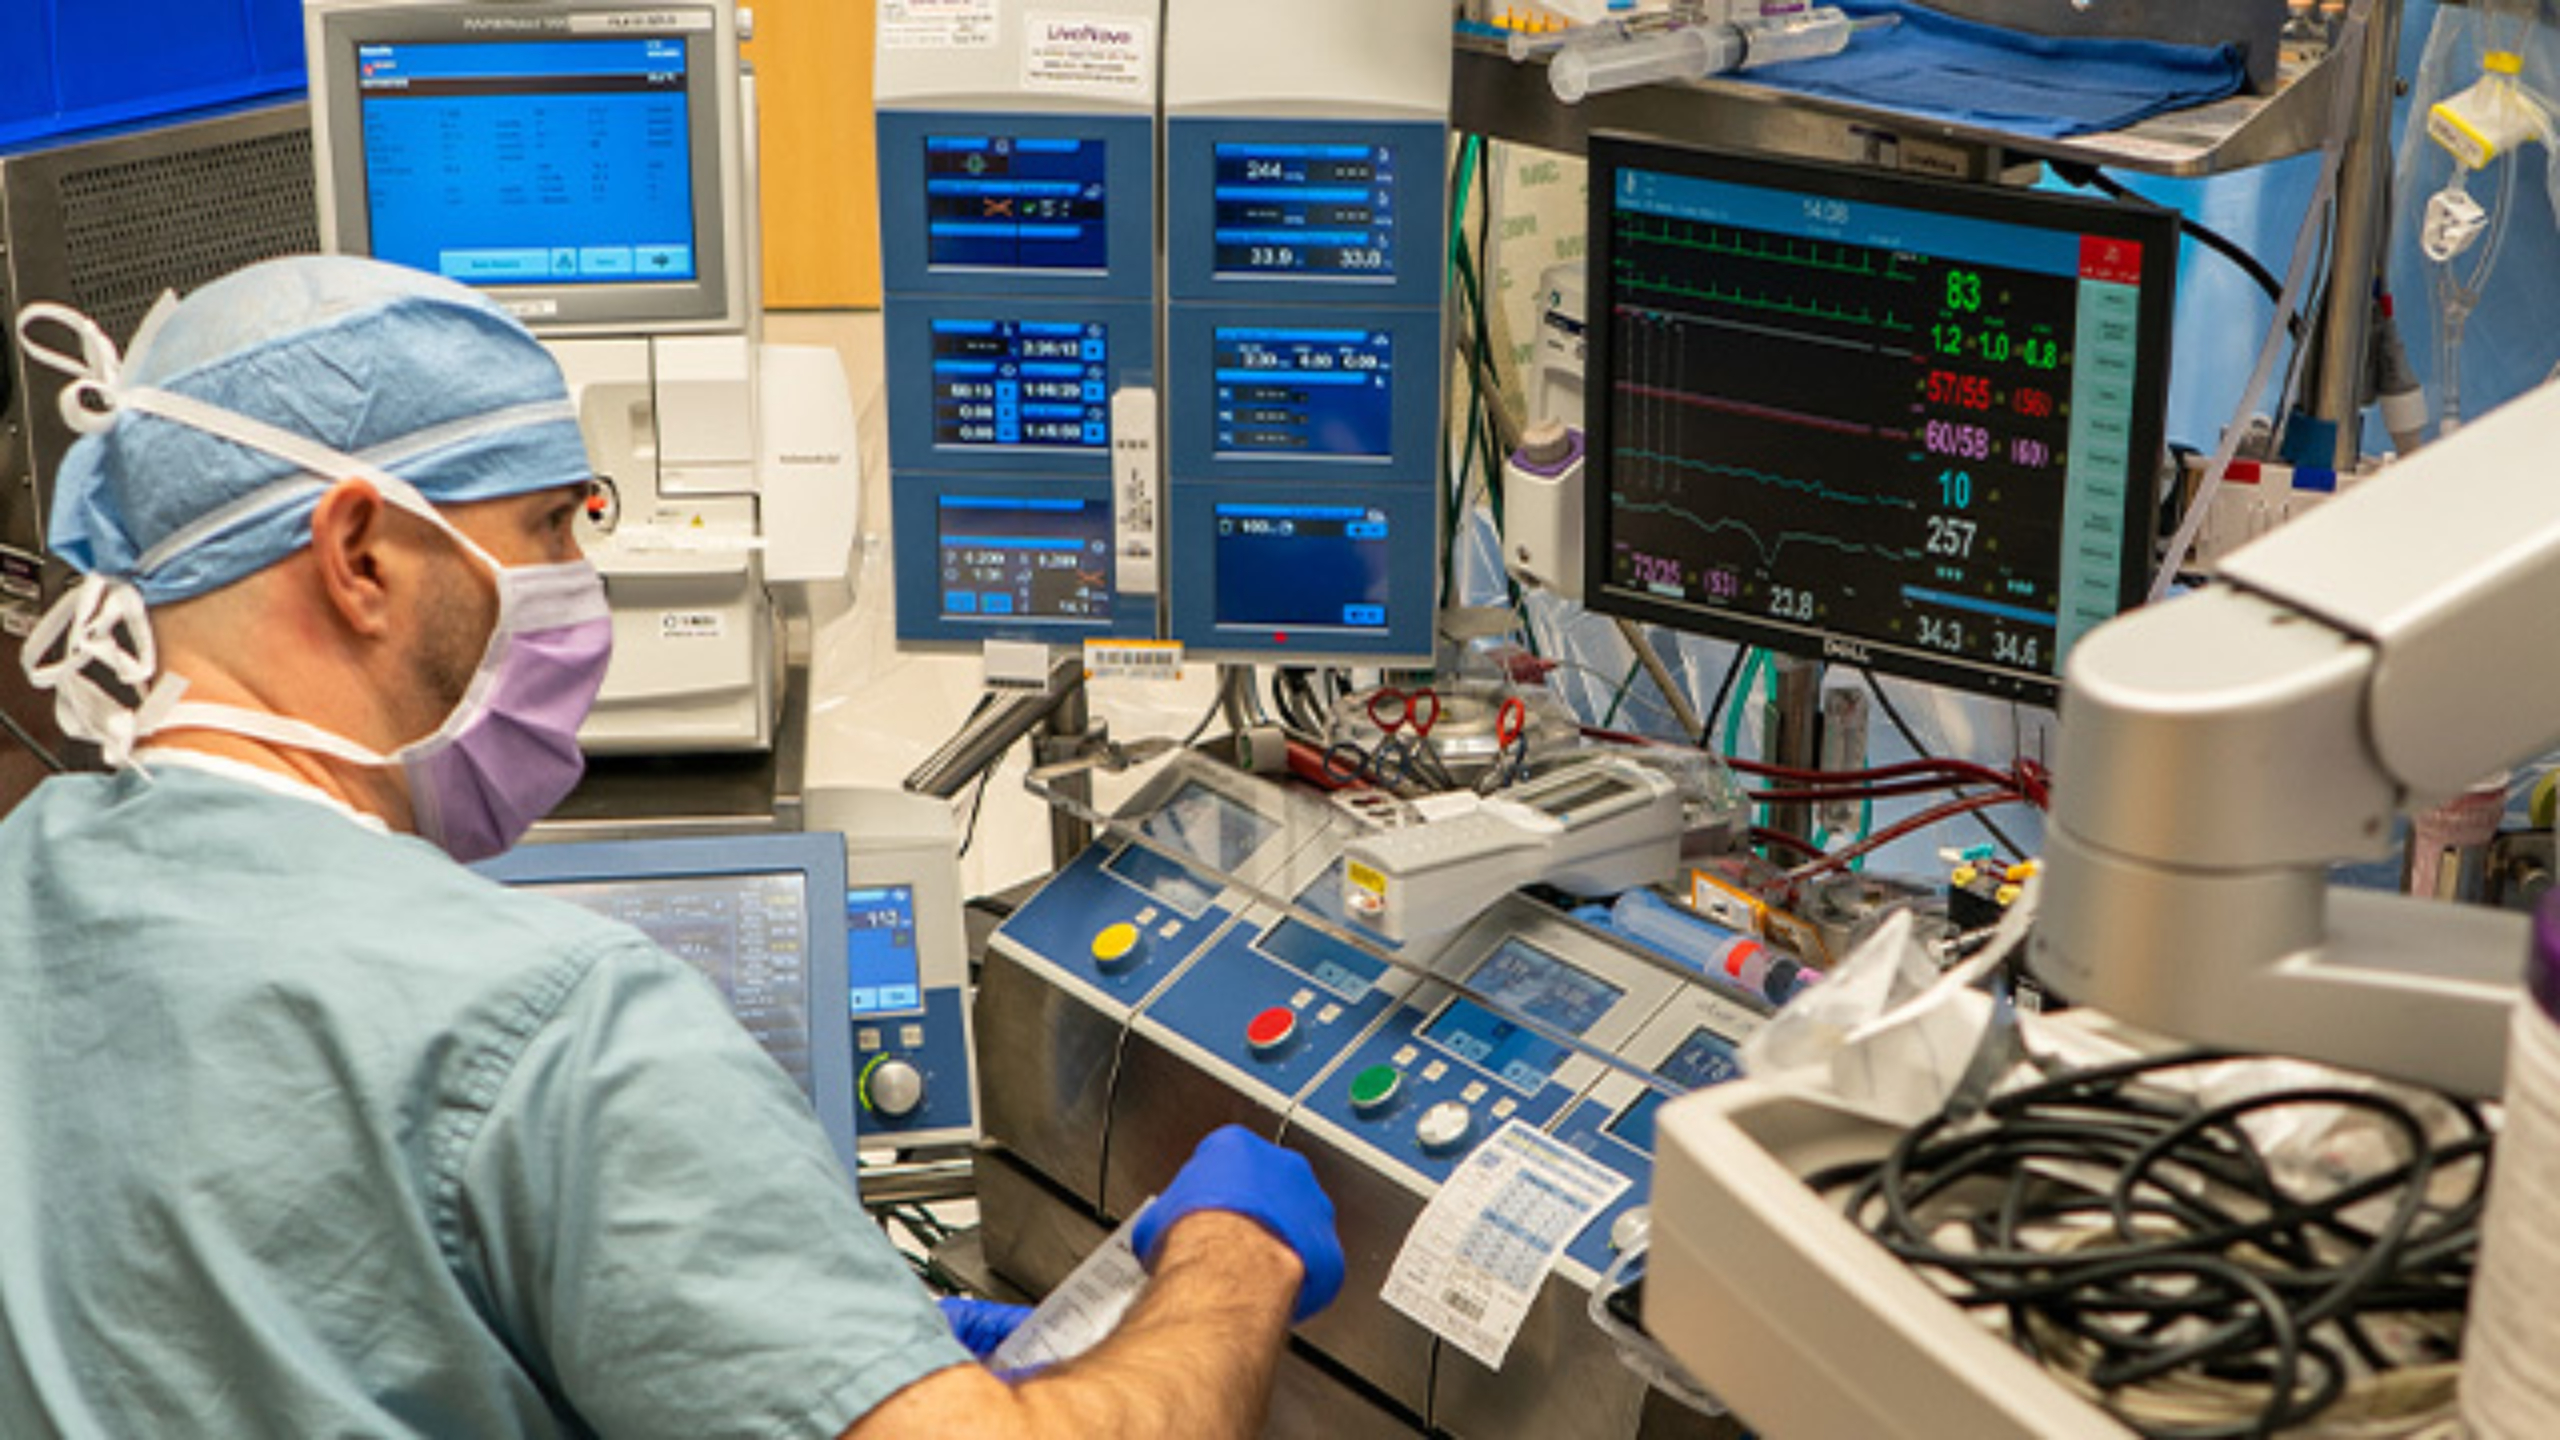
x,y
1797,1319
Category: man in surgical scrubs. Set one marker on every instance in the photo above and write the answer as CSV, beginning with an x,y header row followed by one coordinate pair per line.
x,y
306,1129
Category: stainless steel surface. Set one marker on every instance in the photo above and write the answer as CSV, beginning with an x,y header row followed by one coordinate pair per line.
x,y
1009,714
1045,1066
1033,1236
107,224
921,1181
1372,1210
1560,1381
1160,1109
1496,97
2364,223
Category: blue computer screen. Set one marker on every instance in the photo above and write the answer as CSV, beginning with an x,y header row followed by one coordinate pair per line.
x,y
1306,210
1705,1058
746,933
1520,1057
1021,383
1298,394
880,965
538,162
1529,981
1006,202
1008,558
1306,565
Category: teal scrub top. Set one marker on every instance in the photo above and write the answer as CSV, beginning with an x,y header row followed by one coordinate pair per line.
x,y
306,1130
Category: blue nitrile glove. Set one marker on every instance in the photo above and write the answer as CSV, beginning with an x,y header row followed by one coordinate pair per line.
x,y
1240,1172
982,1325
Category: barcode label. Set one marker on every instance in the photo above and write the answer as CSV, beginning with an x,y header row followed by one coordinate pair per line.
x,y
1478,1258
1133,659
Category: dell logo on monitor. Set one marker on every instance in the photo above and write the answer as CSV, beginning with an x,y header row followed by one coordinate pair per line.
x,y
1833,647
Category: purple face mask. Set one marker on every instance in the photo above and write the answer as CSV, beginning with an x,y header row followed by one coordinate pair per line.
x,y
508,752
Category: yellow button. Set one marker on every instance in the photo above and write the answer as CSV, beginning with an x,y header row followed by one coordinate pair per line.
x,y
2006,894
1965,875
2017,874
1114,943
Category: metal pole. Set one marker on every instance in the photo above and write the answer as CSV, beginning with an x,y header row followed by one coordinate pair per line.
x,y
1681,709
1799,734
2364,178
1068,833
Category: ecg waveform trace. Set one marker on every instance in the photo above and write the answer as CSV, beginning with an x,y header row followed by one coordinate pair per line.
x,y
1791,440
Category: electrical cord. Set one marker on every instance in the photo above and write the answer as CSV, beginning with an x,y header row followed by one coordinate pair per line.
x,y
1724,691
2090,177
34,746
2145,1248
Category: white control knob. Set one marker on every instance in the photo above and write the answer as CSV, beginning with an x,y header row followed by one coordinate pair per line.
x,y
1444,1127
892,1088
1630,1229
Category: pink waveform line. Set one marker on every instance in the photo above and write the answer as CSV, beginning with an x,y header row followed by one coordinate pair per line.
x,y
1744,407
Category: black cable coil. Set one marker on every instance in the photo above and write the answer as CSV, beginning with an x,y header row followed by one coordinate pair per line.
x,y
2142,1246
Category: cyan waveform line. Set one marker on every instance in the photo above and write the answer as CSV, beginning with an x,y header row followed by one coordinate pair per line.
x,y
1768,550
1814,488
1758,412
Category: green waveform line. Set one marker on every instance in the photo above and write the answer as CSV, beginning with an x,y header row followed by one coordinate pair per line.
x,y
1814,488
1768,550
1762,252
1809,310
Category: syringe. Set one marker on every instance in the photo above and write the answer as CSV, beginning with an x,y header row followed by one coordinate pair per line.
x,y
1696,51
1527,46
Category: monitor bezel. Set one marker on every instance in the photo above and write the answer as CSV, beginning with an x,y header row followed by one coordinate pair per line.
x,y
714,300
817,856
2152,227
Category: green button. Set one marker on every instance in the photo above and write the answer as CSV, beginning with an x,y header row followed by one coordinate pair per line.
x,y
1374,1088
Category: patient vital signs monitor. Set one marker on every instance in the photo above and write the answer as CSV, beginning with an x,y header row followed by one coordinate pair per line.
x,y
1899,422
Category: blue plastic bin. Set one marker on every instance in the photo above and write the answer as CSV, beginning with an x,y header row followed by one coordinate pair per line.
x,y
76,65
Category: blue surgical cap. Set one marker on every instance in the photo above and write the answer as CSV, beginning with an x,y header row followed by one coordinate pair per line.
x,y
395,367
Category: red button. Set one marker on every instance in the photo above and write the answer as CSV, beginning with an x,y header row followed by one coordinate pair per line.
x,y
1271,1029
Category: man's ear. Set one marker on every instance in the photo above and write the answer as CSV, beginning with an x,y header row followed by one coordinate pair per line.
x,y
351,544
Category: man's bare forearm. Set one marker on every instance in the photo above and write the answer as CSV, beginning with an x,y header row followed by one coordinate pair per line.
x,y
1194,1359
1196,1355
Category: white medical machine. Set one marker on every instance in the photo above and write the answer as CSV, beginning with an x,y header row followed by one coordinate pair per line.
x,y
1597,828
590,165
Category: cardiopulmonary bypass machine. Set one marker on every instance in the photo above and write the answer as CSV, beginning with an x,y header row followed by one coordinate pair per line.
x,y
1163,360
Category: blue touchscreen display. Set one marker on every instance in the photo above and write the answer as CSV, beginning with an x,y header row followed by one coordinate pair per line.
x,y
543,162
1305,393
